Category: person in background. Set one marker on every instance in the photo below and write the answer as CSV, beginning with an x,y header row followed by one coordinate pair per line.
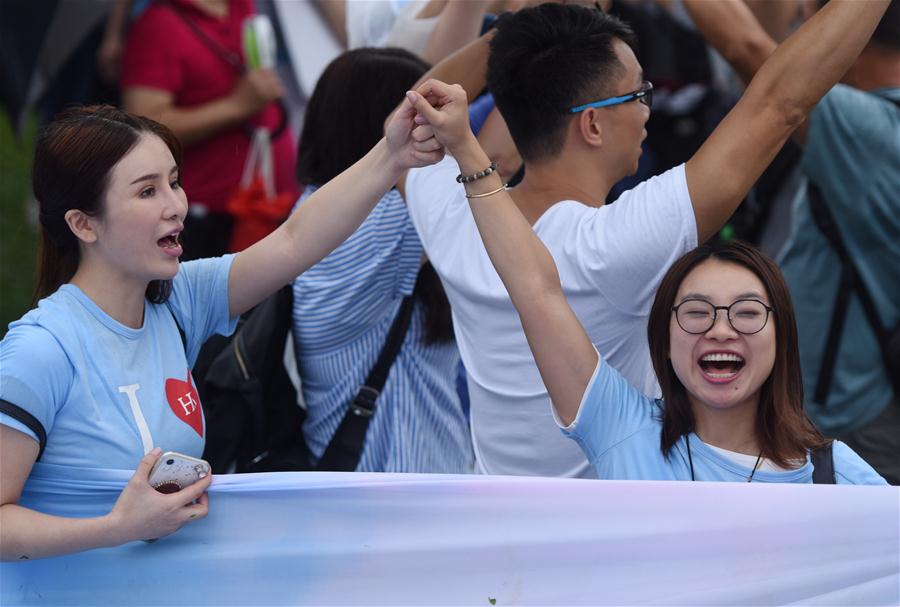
x,y
183,66
345,305
431,29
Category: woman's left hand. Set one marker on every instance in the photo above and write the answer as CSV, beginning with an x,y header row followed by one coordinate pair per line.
x,y
444,108
411,145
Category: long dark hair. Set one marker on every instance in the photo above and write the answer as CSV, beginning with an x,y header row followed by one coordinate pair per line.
x,y
342,125
346,112
782,426
73,159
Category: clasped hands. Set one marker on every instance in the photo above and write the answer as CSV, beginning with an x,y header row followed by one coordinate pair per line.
x,y
432,117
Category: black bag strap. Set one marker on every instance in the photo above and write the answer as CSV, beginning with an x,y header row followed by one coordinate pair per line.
x,y
851,280
31,422
825,222
823,465
343,452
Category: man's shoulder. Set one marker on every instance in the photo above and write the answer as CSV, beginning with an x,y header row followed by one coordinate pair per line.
x,y
846,94
849,134
563,218
436,202
848,107
439,177
621,214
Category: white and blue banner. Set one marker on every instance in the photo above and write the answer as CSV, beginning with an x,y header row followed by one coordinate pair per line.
x,y
398,539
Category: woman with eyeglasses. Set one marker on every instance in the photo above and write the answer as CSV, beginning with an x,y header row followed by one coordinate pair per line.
x,y
723,341
722,337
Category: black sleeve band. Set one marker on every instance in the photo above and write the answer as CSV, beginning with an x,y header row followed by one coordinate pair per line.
x,y
21,415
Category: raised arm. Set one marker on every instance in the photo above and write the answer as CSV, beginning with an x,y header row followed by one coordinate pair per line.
x,y
563,352
733,29
335,14
331,214
730,27
466,67
783,92
458,24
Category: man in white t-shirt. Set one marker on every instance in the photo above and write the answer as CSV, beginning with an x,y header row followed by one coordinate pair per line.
x,y
567,82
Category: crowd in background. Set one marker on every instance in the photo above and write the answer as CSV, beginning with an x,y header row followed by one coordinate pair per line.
x,y
466,389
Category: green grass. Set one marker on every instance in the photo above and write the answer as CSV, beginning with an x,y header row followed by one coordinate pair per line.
x,y
18,237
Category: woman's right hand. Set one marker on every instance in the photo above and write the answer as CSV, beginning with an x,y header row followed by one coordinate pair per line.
x,y
143,513
256,89
445,109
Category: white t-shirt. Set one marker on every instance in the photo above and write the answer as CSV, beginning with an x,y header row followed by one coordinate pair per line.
x,y
610,262
411,32
373,22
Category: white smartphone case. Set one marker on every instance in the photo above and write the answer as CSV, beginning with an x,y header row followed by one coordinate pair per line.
x,y
175,471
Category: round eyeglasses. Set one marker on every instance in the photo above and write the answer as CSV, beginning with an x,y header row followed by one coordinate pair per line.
x,y
746,316
643,94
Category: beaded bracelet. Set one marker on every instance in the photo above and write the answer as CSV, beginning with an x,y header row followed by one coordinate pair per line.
x,y
479,175
503,187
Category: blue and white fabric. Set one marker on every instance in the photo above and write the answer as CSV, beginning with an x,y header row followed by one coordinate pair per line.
x,y
308,538
343,309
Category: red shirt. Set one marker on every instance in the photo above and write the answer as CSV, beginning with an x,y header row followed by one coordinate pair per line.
x,y
163,52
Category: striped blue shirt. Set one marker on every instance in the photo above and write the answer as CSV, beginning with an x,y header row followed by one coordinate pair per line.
x,y
343,309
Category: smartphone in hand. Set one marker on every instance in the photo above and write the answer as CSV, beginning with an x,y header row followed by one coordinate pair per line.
x,y
174,471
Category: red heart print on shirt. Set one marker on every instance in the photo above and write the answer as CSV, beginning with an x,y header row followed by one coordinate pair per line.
x,y
185,402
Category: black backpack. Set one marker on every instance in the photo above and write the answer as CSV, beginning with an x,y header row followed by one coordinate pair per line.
x,y
254,419
851,281
254,411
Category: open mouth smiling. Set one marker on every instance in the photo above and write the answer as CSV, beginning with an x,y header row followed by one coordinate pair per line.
x,y
721,366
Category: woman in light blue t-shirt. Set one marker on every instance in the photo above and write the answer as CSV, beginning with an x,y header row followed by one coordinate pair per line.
x,y
722,337
97,376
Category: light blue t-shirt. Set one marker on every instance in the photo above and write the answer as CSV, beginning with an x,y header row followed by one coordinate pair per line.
x,y
105,393
852,153
343,309
619,430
